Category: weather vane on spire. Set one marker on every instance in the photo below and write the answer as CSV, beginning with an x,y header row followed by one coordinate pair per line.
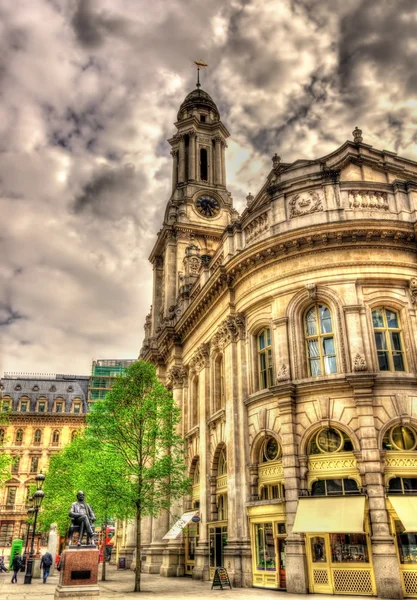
x,y
199,64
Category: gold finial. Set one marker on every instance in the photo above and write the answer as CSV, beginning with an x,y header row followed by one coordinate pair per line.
x,y
199,64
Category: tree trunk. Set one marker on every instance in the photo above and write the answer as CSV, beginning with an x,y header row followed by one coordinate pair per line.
x,y
138,556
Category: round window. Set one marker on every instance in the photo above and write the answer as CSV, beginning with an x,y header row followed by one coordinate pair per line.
x,y
271,449
329,440
403,438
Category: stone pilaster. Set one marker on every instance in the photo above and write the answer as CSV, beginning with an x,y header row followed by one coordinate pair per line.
x,y
385,560
191,158
181,158
296,567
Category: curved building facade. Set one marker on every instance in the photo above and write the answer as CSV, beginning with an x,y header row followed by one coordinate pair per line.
x,y
288,334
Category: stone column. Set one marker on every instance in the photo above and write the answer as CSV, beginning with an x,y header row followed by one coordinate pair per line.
x,y
237,552
130,543
296,566
174,154
356,344
154,556
181,170
224,146
218,161
191,157
385,560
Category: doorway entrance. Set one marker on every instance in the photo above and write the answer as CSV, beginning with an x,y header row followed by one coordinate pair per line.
x,y
217,542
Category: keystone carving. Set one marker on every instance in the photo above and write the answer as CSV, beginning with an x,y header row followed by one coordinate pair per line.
x,y
413,290
311,290
284,373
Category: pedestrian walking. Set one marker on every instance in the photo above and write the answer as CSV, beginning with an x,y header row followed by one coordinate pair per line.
x,y
16,566
2,565
46,562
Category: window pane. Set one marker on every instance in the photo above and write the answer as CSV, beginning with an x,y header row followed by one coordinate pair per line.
x,y
268,337
318,488
269,548
329,364
392,320
313,348
315,367
334,486
380,341
350,486
325,319
383,361
410,485
262,341
349,547
395,341
397,359
260,547
395,486
377,319
403,437
311,324
318,549
407,546
328,346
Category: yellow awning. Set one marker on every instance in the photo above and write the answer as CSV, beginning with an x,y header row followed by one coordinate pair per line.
x,y
406,509
344,514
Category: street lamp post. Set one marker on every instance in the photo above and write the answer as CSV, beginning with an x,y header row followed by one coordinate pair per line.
x,y
30,513
38,497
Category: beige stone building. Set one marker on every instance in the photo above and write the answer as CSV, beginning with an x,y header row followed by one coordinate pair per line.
x,y
288,334
44,414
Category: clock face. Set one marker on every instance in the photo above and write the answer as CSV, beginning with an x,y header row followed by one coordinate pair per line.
x,y
207,206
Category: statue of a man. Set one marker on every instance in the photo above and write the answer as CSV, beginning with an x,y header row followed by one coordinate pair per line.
x,y
83,516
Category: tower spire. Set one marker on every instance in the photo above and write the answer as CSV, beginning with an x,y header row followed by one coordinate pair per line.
x,y
199,64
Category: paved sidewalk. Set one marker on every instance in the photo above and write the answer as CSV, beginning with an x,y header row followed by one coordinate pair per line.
x,y
120,583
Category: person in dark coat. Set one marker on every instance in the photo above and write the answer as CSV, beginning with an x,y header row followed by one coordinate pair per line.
x,y
16,566
46,562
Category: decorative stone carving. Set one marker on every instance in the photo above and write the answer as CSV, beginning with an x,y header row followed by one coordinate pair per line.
x,y
305,204
359,363
312,290
235,216
249,199
177,376
284,373
368,200
231,330
276,160
201,357
256,228
413,289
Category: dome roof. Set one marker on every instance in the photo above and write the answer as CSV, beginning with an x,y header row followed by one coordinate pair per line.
x,y
198,98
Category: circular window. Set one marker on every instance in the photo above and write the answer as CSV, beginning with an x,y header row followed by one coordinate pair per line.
x,y
329,440
271,449
403,438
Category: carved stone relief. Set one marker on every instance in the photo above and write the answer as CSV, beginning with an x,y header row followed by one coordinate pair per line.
x,y
177,376
283,374
359,363
201,358
256,227
305,203
232,329
413,289
371,200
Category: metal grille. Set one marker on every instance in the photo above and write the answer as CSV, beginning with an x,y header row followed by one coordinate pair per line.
x,y
410,582
320,577
352,581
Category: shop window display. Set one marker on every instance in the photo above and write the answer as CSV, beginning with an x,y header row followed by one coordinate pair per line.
x,y
349,547
265,547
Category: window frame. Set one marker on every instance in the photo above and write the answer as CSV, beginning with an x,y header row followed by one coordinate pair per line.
x,y
320,337
386,330
265,376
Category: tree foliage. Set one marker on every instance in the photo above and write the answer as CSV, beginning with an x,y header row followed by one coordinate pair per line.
x,y
137,421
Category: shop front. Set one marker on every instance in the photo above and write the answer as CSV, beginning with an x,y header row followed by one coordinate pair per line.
x,y
338,546
217,530
268,533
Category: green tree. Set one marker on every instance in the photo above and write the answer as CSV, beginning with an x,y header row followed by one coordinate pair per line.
x,y
89,465
138,420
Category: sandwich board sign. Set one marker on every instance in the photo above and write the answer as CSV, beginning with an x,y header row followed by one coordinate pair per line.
x,y
221,579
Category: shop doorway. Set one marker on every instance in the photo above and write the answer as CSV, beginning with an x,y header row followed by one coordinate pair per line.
x,y
217,543
191,541
340,563
269,555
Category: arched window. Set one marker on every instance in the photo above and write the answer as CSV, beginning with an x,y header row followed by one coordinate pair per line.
x,y
73,435
401,438
1,436
37,436
330,440
265,358
55,437
203,165
320,341
19,437
196,475
403,485
194,402
389,346
334,487
218,383
222,464
270,450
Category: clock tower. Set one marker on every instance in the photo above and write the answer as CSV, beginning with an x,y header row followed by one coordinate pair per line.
x,y
199,208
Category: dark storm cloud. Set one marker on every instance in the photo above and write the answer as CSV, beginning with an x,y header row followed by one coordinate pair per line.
x,y
92,26
8,315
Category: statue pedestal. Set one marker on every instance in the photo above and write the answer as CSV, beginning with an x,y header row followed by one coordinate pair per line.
x,y
79,574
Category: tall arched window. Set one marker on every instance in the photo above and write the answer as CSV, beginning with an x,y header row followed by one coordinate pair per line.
x,y
37,436
55,437
389,346
194,402
196,475
222,464
319,338
203,165
19,437
265,358
218,383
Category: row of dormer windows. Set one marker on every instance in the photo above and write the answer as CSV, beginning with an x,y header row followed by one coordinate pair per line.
x,y
41,406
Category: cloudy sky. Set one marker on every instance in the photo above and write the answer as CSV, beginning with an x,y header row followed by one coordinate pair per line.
x,y
89,91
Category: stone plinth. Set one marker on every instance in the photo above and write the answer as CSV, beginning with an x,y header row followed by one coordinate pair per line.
x,y
79,574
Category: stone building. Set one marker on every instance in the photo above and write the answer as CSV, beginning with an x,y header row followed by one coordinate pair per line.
x,y
45,411
288,334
